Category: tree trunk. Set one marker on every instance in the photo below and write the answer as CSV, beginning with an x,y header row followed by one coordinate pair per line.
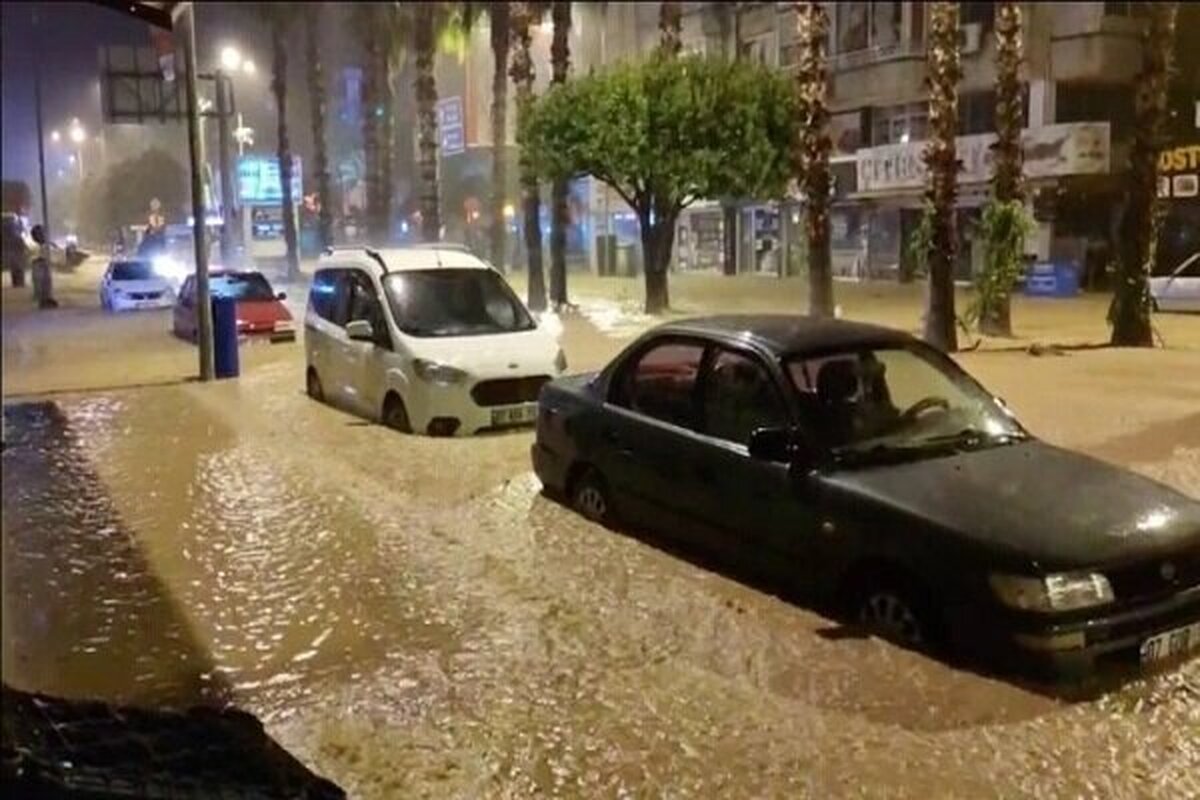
x,y
498,234
522,75
560,218
369,95
670,23
658,238
316,95
387,143
995,309
426,91
284,149
813,88
1130,310
942,162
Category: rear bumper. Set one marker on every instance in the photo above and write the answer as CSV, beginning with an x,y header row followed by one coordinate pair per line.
x,y
1111,639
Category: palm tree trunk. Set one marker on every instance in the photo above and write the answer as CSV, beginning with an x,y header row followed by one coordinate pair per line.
x,y
1130,310
995,312
369,89
284,149
560,217
522,75
670,24
498,234
316,95
945,71
427,145
387,138
813,88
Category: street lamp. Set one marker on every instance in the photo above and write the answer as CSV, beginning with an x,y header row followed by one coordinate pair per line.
x,y
231,58
78,134
248,67
55,136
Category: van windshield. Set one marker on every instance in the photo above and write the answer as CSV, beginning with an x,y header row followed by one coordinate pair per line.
x,y
455,302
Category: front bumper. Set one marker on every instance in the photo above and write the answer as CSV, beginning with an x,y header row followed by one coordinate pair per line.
x,y
1109,638
433,408
125,303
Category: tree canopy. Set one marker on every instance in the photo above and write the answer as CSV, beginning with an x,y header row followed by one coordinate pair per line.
x,y
666,132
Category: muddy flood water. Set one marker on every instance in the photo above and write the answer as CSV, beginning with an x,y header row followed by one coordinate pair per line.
x,y
412,618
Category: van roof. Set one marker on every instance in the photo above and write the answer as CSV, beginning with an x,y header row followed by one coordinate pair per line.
x,y
402,259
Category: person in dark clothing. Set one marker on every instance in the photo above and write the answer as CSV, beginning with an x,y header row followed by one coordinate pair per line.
x,y
43,286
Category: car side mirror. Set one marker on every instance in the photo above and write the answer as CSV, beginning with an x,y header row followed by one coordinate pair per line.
x,y
281,296
359,330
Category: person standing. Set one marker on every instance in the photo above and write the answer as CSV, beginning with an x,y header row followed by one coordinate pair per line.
x,y
43,285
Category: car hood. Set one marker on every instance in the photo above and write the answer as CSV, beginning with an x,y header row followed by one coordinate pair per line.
x,y
1058,509
149,285
262,311
521,353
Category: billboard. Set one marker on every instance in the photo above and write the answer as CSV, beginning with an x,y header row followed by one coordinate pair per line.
x,y
258,180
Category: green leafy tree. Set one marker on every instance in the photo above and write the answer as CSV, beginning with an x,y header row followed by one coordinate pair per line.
x,y
945,71
1005,223
1129,313
664,133
560,59
812,86
317,102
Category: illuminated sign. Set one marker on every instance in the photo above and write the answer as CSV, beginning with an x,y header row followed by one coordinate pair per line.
x,y
258,180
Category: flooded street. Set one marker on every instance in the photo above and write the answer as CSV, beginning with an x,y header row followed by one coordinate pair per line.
x,y
412,618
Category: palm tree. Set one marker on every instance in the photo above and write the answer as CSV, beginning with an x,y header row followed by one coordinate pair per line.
x,y
425,47
812,83
501,37
531,203
560,56
945,70
278,17
368,29
670,24
1129,313
316,95
1004,237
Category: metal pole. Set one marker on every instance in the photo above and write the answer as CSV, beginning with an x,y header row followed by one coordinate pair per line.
x,y
204,330
228,195
41,136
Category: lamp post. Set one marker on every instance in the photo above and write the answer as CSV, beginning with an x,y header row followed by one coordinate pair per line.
x,y
230,62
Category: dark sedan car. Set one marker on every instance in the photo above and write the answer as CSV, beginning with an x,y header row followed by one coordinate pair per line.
x,y
865,466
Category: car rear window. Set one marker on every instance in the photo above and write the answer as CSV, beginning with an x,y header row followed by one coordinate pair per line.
x,y
241,286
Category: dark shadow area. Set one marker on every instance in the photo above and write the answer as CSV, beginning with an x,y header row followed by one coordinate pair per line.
x,y
55,748
841,627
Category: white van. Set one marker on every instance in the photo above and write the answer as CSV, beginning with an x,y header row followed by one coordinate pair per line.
x,y
426,340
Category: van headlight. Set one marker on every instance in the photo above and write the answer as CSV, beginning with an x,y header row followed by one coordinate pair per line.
x,y
560,361
1065,591
436,372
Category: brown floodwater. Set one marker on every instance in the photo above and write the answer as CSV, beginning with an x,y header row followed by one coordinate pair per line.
x,y
412,618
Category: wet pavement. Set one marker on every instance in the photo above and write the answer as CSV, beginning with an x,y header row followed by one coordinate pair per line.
x,y
412,618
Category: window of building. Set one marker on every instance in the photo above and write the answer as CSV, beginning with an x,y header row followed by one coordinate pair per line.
x,y
976,113
1134,9
867,25
983,14
759,49
899,124
1095,102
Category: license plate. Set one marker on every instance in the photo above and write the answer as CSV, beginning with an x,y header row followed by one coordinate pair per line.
x,y
1171,644
515,415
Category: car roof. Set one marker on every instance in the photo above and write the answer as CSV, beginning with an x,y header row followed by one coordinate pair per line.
x,y
403,259
785,334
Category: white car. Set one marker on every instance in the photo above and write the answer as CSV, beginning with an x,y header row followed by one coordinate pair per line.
x,y
425,339
133,284
1179,291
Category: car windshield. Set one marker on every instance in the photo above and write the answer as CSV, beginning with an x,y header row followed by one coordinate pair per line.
x,y
455,302
241,286
890,402
132,271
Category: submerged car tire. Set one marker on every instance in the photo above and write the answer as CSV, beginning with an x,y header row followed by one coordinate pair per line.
x,y
894,607
590,496
312,385
395,415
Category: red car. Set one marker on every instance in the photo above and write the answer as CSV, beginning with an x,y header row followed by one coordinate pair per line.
x,y
260,311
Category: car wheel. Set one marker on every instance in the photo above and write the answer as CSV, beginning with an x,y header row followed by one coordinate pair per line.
x,y
313,385
395,415
895,609
590,497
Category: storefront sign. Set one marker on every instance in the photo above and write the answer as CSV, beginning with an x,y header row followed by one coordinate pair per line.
x,y
258,180
1179,172
1079,148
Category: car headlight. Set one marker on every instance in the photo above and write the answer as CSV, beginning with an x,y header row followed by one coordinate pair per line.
x,y
1059,592
560,361
435,372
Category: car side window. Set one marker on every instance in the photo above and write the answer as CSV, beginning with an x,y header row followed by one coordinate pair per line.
x,y
323,294
187,295
739,397
661,383
364,304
